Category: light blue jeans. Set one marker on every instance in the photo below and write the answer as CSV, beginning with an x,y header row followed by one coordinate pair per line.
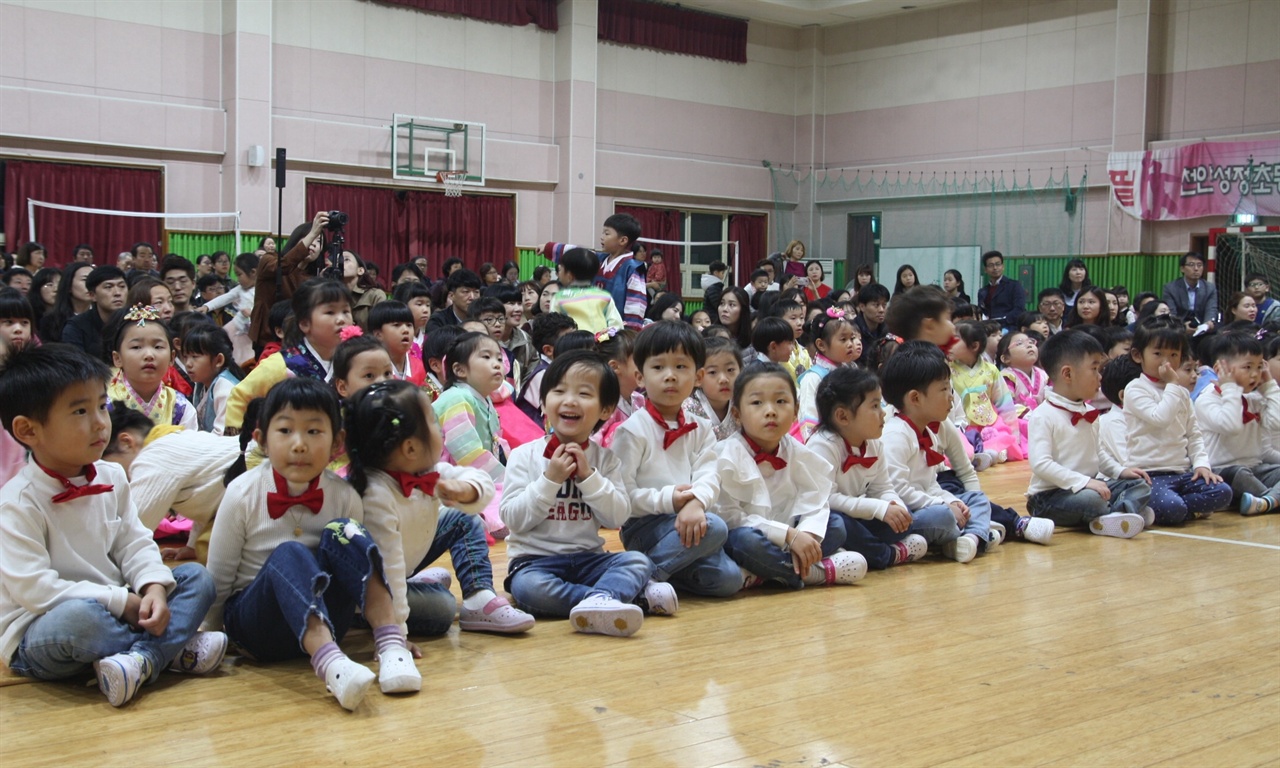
x,y
938,525
703,569
65,641
431,606
553,585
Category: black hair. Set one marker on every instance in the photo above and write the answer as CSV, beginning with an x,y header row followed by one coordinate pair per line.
x,y
913,367
963,310
547,327
460,353
63,307
113,332
1118,335
1051,291
1098,332
619,346
670,336
540,271
449,264
347,352
531,285
185,320
142,244
398,271
1184,258
489,305
1234,344
504,292
846,387
486,268
247,262
1101,296
1002,349
34,377
385,312
378,419
205,338
1272,347
1120,290
279,314
1165,332
718,345
756,370
897,282
581,263
1067,348
823,326
625,225
463,278
298,393
771,330
609,389
1116,375
102,274
717,331
203,283
13,272
989,255
1064,285
756,275
872,293
662,304
717,266
126,419
39,280
437,343
406,292
15,306
959,280
175,262
574,340
317,291
972,333
1024,320
909,309
743,333
784,305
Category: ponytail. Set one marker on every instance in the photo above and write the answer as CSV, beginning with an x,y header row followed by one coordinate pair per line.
x,y
237,467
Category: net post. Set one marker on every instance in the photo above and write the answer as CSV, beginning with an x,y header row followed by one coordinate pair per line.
x,y
31,221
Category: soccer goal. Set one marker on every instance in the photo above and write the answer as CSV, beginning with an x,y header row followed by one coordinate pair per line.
x,y
181,229
1237,252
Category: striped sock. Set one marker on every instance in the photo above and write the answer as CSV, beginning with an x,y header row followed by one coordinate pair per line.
x,y
386,638
324,656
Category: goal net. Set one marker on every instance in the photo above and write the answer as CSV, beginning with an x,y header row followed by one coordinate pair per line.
x,y
109,232
1239,254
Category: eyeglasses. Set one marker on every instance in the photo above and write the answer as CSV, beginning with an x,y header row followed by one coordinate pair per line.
x,y
1256,284
1055,303
495,322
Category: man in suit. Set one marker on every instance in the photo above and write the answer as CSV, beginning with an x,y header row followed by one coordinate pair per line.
x,y
1191,299
1001,300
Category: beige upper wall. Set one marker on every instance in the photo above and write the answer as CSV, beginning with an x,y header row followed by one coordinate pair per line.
x,y
188,15
1204,34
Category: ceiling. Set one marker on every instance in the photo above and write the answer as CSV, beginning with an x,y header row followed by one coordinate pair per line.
x,y
803,13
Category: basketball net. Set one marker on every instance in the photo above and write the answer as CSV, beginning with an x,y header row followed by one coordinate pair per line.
x,y
452,181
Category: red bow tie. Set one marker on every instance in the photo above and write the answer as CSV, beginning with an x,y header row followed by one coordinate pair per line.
x,y
683,425
425,483
1090,415
1244,404
925,440
760,457
74,491
851,461
555,443
279,501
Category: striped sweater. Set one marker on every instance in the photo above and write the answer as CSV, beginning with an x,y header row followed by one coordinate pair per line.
x,y
622,276
472,434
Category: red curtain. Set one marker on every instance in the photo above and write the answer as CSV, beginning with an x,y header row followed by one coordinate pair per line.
x,y
750,232
390,226
516,13
87,186
662,224
671,28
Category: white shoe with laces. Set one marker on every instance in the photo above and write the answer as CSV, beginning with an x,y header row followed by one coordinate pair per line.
x,y
963,549
121,676
1038,530
600,614
661,598
202,654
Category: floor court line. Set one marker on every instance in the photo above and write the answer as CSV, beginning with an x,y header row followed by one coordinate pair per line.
x,y
1220,541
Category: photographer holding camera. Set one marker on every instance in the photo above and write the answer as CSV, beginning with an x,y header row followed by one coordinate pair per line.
x,y
301,260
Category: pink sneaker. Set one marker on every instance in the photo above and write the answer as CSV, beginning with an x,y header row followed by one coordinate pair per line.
x,y
498,615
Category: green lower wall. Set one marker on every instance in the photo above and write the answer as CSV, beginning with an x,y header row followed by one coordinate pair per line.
x,y
1136,271
190,244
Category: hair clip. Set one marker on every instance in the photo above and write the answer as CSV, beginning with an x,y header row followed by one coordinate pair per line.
x,y
142,314
606,334
835,313
350,332
891,337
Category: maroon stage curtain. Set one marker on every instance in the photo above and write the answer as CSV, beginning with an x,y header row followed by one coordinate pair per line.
x,y
662,224
390,226
88,186
516,13
674,29
750,232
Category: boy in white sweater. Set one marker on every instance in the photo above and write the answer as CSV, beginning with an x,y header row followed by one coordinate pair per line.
x,y
1240,418
1113,435
562,490
81,581
1063,448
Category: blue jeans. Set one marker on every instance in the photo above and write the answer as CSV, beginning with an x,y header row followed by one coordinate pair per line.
x,y
751,549
74,634
1067,508
1176,497
431,606
1005,516
938,526
1259,480
269,617
703,569
553,585
873,539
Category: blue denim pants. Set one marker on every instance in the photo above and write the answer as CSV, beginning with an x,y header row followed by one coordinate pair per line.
x,y
703,569
873,539
1067,508
269,617
938,525
752,550
1175,497
553,585
432,606
65,641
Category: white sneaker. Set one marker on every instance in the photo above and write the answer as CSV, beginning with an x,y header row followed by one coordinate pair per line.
x,y
439,576
661,598
1038,530
121,676
998,536
1148,517
916,547
397,673
202,654
1120,525
600,614
348,682
963,549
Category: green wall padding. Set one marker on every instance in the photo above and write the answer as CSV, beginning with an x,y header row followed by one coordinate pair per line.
x,y
191,244
529,259
1136,271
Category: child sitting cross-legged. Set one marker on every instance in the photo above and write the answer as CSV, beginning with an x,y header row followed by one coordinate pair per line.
x,y
774,492
83,583
564,489
851,418
669,469
290,558
1063,443
417,508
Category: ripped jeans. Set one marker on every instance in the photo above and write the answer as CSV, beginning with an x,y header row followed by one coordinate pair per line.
x,y
269,617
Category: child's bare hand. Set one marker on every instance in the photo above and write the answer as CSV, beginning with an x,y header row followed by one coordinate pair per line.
x,y
454,492
132,604
961,512
582,467
1100,488
561,466
691,523
806,550
1206,475
897,517
1133,473
1167,373
682,496
153,610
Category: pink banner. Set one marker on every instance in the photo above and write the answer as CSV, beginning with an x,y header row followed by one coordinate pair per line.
x,y
1195,180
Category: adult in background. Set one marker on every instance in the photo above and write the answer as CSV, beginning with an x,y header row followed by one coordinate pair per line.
x,y
1191,299
83,254
953,286
180,275
144,260
301,254
1075,278
1001,299
461,288
816,289
30,257
73,298
109,288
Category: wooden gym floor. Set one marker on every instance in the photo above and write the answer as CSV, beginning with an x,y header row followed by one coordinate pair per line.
x,y
1161,650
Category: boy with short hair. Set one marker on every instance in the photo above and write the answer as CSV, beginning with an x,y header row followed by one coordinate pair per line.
x,y
592,308
1235,423
83,582
713,286
917,382
546,329
619,274
793,313
758,282
1113,437
873,301
1258,286
1063,448
669,469
773,340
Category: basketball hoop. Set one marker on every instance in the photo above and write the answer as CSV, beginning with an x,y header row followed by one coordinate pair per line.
x,y
452,181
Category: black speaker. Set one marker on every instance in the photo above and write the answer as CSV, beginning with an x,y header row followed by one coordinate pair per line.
x,y
280,168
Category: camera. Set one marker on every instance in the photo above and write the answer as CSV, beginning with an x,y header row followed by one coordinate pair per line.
x,y
337,243
337,221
